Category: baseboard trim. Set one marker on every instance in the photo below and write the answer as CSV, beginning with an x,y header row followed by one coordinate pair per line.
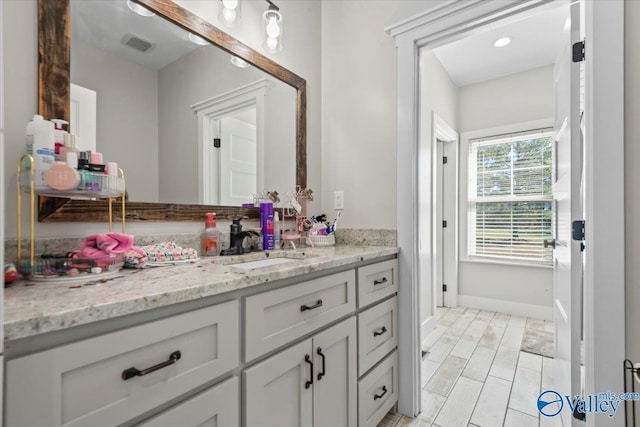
x,y
501,306
427,327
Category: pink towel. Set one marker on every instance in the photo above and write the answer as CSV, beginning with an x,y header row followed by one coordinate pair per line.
x,y
105,244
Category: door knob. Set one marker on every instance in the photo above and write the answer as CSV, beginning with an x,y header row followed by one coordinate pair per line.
x,y
551,243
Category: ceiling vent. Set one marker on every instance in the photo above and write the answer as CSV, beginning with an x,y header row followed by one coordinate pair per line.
x,y
137,43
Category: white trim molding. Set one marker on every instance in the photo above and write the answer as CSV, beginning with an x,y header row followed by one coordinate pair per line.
x,y
501,306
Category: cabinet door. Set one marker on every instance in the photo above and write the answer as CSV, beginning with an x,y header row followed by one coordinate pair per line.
x,y
215,407
335,384
278,390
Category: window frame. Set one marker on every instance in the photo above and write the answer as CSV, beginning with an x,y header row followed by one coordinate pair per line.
x,y
471,199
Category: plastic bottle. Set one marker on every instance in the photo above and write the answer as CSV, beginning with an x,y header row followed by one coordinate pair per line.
x,y
59,135
276,230
210,237
40,142
69,146
266,222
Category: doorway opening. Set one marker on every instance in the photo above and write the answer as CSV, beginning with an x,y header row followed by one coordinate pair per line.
x,y
506,102
231,154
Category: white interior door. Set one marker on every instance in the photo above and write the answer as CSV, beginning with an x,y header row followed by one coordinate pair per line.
x,y
566,193
238,161
82,122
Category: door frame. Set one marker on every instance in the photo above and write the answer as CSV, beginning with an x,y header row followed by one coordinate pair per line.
x,y
448,260
207,111
604,271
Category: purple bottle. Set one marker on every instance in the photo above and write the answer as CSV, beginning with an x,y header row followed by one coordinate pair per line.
x,y
266,222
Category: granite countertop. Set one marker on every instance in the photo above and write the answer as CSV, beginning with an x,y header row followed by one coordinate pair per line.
x,y
32,308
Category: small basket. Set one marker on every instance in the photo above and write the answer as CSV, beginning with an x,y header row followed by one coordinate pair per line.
x,y
323,240
69,269
100,185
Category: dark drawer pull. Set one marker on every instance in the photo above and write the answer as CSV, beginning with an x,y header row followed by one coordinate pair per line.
x,y
307,359
311,307
379,396
324,368
380,282
380,332
127,374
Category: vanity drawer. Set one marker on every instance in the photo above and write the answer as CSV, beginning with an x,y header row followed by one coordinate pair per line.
x,y
377,333
377,281
83,383
217,406
277,317
378,392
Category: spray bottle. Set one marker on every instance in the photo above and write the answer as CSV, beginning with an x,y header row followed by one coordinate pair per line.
x,y
210,237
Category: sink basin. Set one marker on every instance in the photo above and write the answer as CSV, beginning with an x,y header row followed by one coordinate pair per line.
x,y
252,265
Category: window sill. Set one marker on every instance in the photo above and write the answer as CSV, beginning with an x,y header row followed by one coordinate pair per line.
x,y
512,263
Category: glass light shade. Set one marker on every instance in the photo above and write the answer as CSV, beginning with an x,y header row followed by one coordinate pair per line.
x,y
272,30
140,10
198,40
229,12
239,62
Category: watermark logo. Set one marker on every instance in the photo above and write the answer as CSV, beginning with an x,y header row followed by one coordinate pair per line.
x,y
550,403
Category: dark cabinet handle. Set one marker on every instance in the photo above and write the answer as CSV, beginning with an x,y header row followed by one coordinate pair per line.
x,y
380,282
380,332
127,374
379,396
307,359
324,368
311,307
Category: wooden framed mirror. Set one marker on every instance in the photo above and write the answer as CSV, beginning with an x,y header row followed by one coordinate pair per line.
x,y
54,48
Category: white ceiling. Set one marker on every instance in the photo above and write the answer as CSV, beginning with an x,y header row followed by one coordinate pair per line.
x,y
535,42
103,24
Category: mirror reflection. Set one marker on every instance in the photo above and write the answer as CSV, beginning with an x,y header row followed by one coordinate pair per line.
x,y
184,123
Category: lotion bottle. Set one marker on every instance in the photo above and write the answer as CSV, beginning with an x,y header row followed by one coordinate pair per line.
x,y
276,230
40,142
59,135
210,237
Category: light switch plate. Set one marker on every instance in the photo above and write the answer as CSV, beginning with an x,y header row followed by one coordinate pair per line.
x,y
338,200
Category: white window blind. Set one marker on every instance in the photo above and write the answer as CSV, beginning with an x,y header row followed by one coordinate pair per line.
x,y
510,199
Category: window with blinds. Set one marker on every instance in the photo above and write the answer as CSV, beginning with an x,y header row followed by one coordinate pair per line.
x,y
510,199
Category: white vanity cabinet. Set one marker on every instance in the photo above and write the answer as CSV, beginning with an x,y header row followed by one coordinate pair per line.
x,y
311,384
112,378
377,341
320,352
215,407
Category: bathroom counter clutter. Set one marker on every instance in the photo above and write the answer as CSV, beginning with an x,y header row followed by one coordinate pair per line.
x,y
32,308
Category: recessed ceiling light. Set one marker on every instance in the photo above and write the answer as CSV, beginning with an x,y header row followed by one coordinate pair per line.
x,y
502,42
239,62
198,40
140,10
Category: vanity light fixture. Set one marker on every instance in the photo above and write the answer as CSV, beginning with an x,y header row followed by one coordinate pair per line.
x,y
239,62
229,12
198,40
272,28
502,41
139,9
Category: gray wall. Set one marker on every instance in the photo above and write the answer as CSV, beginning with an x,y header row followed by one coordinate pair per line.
x,y
438,95
489,108
632,175
127,115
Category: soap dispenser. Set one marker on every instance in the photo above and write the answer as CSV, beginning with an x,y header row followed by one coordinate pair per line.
x,y
210,237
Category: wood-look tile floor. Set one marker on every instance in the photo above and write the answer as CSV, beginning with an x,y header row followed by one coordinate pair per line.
x,y
474,373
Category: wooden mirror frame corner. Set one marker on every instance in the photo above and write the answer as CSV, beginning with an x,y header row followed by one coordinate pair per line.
x,y
54,29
